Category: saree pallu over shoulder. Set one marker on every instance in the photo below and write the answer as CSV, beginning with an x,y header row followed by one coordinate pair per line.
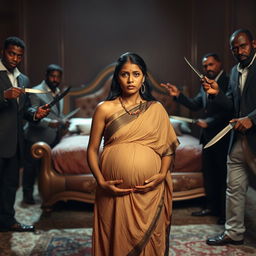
x,y
137,223
121,118
152,115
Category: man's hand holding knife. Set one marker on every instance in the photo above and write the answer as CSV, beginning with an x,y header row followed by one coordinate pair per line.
x,y
16,92
60,124
175,92
212,88
42,112
241,124
13,93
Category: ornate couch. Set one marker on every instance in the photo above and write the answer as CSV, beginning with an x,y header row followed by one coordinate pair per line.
x,y
64,171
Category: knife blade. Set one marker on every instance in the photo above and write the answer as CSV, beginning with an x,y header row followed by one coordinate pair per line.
x,y
220,135
70,114
194,69
32,90
58,97
186,119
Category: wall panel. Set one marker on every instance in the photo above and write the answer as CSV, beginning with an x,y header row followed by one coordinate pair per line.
x,y
85,36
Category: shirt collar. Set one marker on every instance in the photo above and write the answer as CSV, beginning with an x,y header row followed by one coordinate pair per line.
x,y
15,73
239,69
49,89
218,76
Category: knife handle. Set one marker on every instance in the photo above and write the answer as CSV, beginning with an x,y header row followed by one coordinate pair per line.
x,y
45,107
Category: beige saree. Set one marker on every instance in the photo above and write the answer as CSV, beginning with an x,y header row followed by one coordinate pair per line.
x,y
135,224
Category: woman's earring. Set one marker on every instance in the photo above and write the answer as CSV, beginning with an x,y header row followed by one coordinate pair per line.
x,y
142,88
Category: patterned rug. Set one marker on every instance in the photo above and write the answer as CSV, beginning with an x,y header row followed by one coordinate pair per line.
x,y
184,240
68,233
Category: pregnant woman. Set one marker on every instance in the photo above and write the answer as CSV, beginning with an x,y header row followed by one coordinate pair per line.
x,y
133,206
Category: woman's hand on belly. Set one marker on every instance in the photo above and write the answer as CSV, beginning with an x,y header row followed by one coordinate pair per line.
x,y
110,186
151,183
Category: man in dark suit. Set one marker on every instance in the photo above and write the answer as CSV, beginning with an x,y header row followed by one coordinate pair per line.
x,y
213,120
14,106
241,161
47,130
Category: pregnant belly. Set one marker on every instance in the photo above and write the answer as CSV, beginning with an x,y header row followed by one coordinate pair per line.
x,y
131,162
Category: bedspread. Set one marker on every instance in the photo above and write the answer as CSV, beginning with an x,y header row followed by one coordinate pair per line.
x,y
69,156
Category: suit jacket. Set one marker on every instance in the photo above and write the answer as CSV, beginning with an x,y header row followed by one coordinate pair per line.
x,y
12,113
243,104
213,114
41,130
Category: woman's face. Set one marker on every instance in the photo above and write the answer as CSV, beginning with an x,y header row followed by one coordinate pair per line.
x,y
130,78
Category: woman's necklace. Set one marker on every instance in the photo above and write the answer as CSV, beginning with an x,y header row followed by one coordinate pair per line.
x,y
136,112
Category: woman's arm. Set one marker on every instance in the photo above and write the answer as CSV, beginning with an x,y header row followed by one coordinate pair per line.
x,y
97,129
98,126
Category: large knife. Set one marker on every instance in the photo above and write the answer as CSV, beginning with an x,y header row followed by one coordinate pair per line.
x,y
185,119
220,135
32,90
194,69
58,97
70,114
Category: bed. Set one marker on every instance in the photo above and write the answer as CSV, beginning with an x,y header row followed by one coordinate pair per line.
x,y
65,174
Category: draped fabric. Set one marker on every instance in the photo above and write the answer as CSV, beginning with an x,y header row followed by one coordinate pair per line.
x,y
135,224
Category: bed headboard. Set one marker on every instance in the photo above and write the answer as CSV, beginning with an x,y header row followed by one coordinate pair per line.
x,y
89,95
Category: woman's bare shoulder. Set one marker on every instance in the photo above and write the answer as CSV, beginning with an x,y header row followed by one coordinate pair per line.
x,y
108,106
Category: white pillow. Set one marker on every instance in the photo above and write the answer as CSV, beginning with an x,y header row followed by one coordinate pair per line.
x,y
180,126
80,125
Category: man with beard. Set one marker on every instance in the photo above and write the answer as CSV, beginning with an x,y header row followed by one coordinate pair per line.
x,y
241,161
213,120
48,130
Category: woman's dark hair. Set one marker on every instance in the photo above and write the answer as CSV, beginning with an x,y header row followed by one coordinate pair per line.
x,y
115,89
